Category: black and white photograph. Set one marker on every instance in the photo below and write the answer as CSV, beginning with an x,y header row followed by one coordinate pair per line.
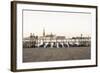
x,y
50,35
56,35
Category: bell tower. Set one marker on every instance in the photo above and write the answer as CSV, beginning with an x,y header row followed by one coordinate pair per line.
x,y
43,32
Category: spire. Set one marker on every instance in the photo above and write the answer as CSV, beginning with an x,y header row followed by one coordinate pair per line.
x,y
43,31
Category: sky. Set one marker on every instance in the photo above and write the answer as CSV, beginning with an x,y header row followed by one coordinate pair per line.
x,y
67,24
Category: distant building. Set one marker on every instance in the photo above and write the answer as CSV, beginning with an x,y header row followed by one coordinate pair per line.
x,y
51,40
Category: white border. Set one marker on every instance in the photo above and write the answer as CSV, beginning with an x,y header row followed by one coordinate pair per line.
x,y
21,65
